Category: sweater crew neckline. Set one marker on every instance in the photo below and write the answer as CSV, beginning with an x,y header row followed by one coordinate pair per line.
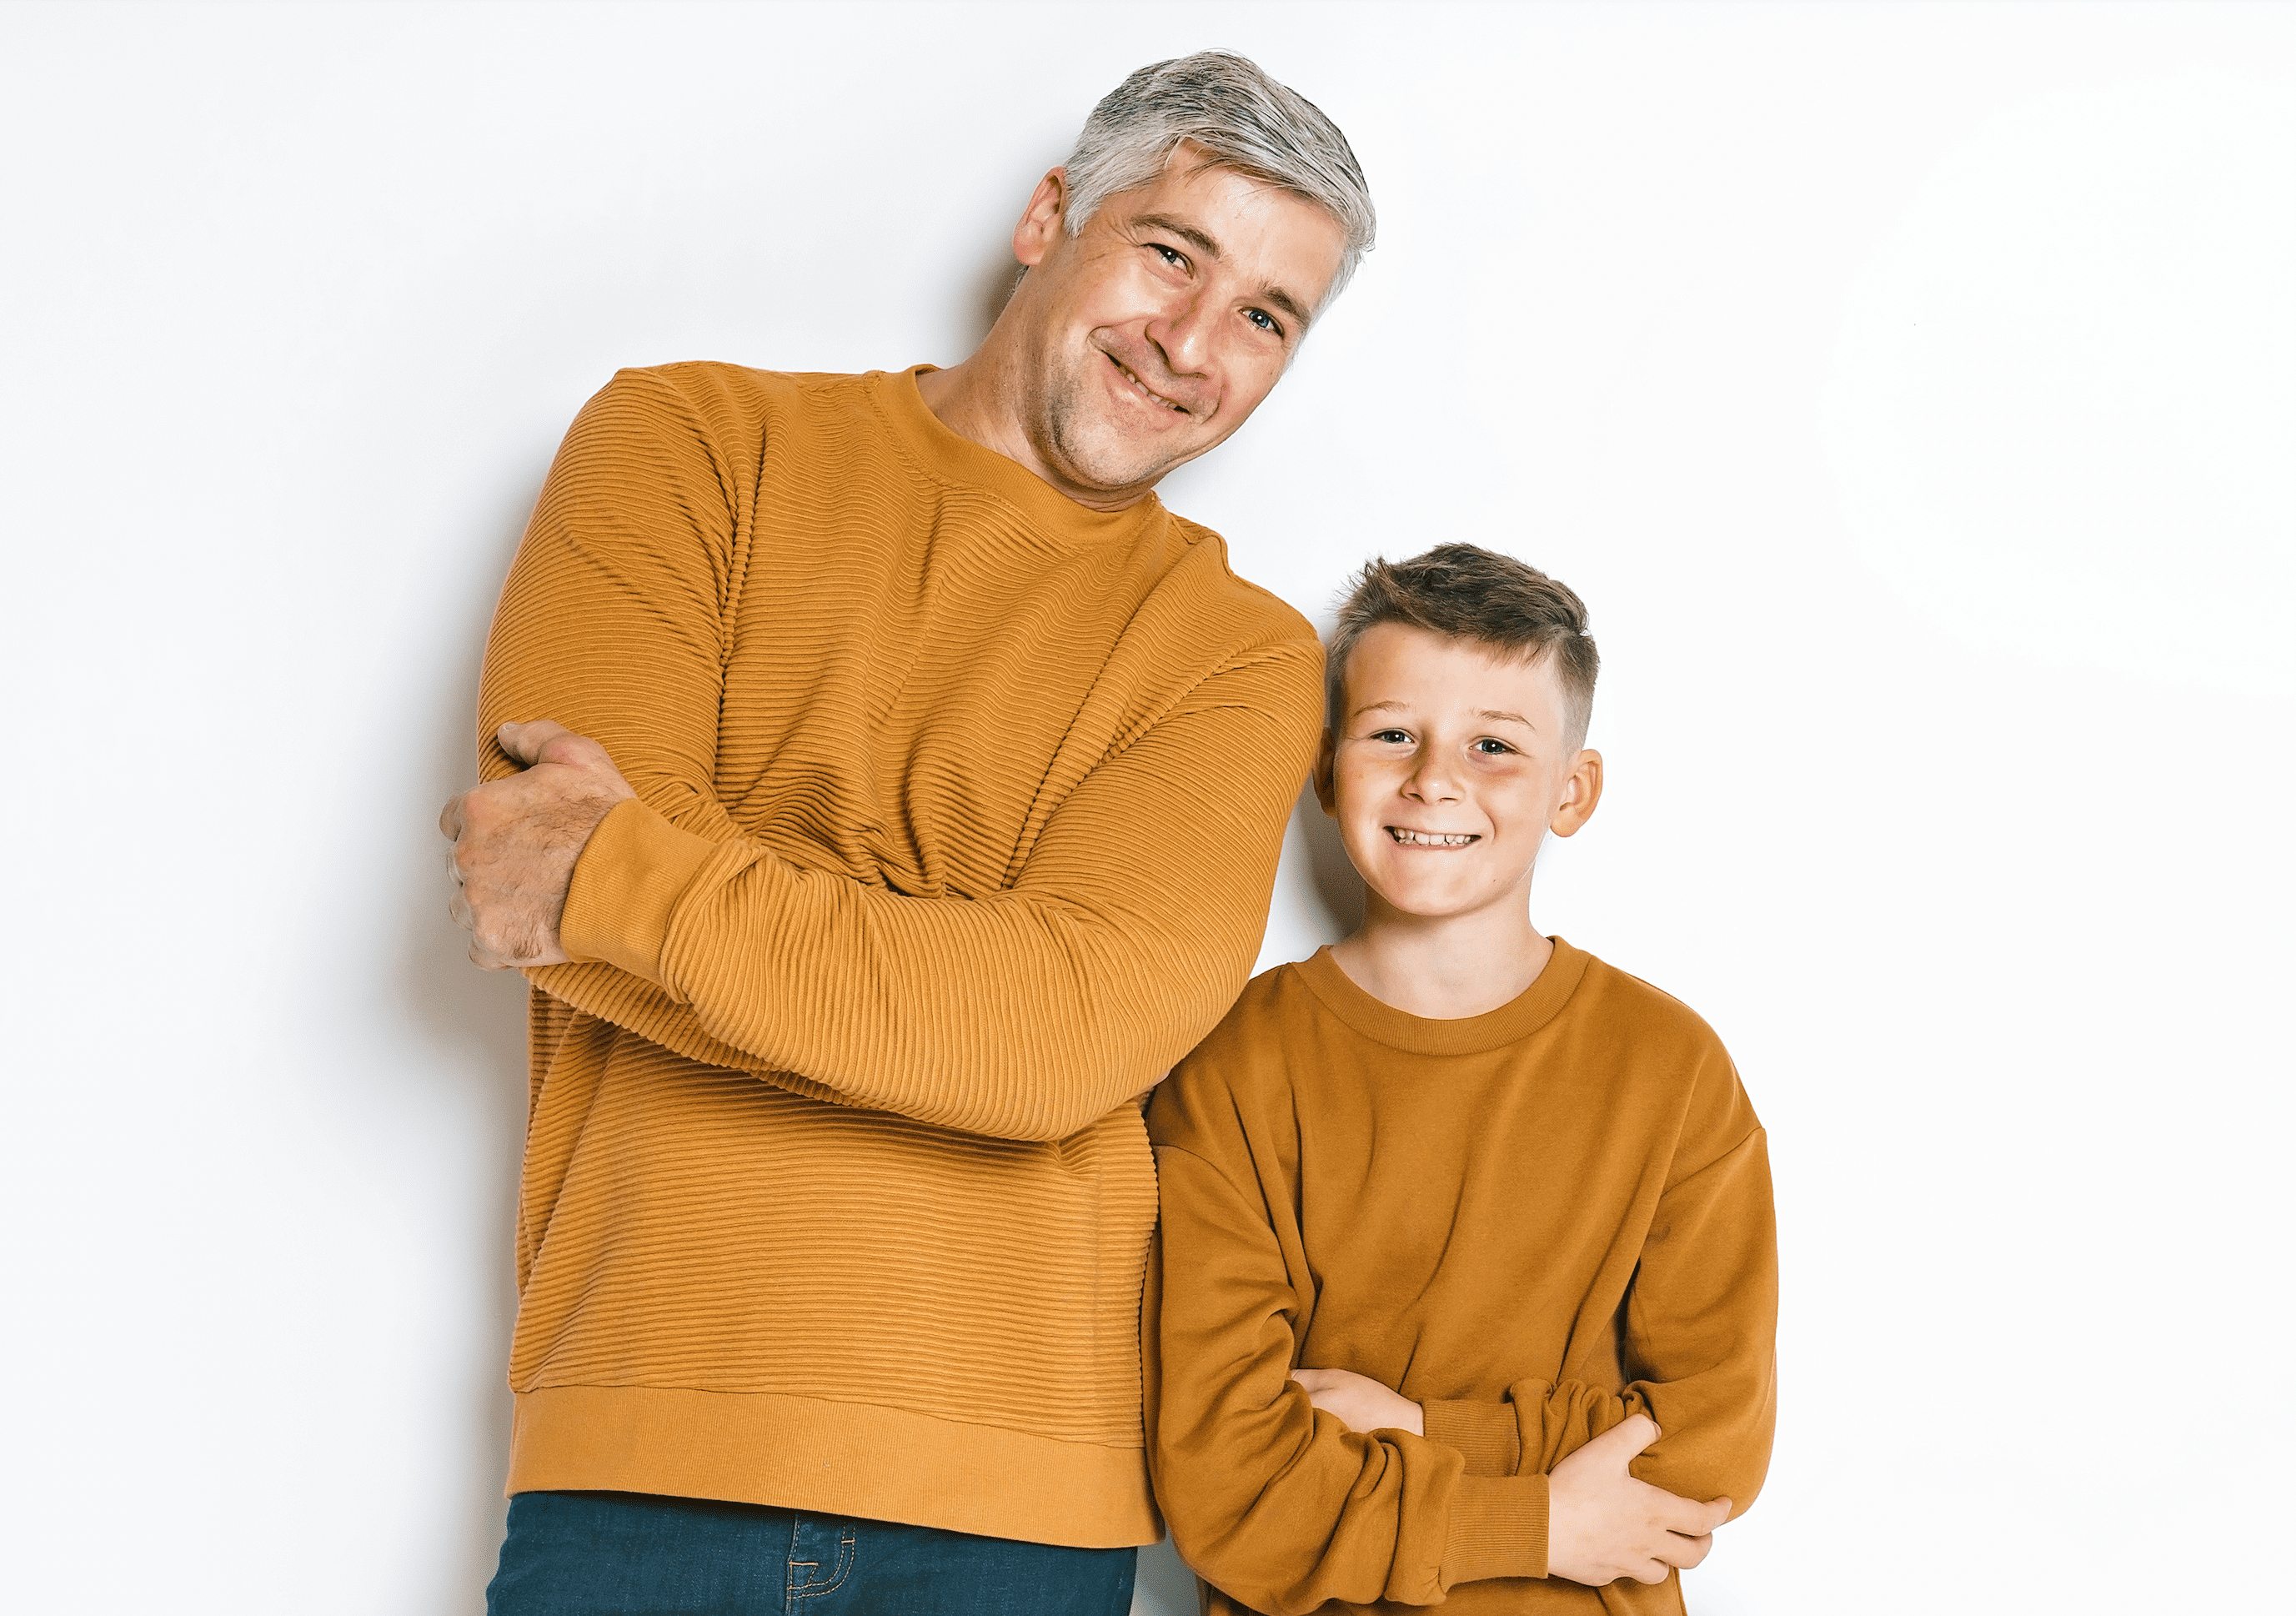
x,y
952,457
1383,1023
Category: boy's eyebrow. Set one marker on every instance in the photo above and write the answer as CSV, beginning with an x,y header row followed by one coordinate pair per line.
x,y
1488,713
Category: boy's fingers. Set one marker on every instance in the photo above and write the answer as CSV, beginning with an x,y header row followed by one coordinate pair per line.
x,y
1686,1517
1622,1441
1687,1551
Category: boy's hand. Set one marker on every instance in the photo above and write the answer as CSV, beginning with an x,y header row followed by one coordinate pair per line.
x,y
1361,1402
1602,1524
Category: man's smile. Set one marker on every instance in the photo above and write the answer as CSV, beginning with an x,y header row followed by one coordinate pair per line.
x,y
1145,391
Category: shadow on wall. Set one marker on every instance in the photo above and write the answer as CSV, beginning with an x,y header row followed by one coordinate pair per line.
x,y
480,1015
1339,890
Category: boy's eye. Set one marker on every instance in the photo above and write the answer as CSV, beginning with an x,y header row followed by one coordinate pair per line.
x,y
1491,748
1392,737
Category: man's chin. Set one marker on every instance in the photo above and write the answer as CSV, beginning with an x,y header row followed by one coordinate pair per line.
x,y
1114,460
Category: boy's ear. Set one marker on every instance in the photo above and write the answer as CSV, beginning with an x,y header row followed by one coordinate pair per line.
x,y
1322,777
1582,789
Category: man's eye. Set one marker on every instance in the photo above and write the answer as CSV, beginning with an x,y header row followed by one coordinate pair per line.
x,y
1263,320
1171,254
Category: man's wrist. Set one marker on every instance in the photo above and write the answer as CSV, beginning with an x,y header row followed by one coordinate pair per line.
x,y
626,887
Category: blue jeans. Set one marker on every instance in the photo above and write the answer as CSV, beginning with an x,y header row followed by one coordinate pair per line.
x,y
573,1554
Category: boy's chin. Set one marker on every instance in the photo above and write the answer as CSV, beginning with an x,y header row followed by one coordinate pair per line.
x,y
1437,907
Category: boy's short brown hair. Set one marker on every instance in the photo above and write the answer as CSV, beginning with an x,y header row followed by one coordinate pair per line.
x,y
1468,592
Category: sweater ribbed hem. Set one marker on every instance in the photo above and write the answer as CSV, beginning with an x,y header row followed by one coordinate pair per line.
x,y
626,885
1483,1433
852,1459
1498,1529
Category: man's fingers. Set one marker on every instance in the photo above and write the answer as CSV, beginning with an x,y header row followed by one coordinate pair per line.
x,y
524,742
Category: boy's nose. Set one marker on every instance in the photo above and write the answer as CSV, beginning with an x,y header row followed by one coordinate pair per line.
x,y
1431,783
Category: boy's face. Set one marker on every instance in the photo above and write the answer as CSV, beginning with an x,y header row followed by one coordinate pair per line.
x,y
1450,766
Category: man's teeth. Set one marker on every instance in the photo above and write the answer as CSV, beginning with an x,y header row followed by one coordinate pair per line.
x,y
1127,371
1427,839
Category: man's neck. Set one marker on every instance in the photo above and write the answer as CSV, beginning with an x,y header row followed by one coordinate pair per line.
x,y
1444,969
976,399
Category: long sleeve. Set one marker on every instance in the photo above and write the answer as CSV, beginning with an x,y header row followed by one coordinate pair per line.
x,y
1699,1327
1125,924
1276,1504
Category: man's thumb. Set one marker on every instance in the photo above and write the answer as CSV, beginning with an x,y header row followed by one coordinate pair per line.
x,y
524,742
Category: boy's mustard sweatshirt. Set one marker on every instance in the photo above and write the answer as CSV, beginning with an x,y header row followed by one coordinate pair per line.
x,y
957,809
1533,1222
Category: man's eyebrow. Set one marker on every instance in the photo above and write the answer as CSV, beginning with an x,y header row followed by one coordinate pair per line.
x,y
1289,304
1187,232
1292,308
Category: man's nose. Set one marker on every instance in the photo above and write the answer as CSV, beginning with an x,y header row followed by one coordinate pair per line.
x,y
1182,332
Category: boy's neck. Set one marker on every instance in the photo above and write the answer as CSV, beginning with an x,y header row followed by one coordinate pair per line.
x,y
1446,968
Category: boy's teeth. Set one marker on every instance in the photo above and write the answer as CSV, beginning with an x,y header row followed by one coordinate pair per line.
x,y
1427,839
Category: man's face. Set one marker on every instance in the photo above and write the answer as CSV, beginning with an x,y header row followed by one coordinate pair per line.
x,y
1450,766
1158,329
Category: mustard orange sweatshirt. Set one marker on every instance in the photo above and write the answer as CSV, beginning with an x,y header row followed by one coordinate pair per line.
x,y
1533,1222
957,810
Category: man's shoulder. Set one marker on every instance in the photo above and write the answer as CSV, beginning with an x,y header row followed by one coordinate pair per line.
x,y
712,386
1280,622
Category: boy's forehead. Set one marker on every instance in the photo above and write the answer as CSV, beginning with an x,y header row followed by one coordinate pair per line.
x,y
1405,664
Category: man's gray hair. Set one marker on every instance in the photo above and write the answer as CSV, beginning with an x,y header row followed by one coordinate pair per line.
x,y
1243,120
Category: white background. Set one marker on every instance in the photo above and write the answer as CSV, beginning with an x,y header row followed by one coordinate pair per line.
x,y
1910,390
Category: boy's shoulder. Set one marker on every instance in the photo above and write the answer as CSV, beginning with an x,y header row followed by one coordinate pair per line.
x,y
1613,1031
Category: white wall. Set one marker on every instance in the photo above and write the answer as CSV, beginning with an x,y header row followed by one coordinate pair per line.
x,y
1906,387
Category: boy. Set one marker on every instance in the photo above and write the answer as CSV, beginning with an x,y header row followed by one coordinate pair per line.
x,y
1453,1212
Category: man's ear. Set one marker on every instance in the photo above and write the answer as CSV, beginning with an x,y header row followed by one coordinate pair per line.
x,y
1322,777
1046,219
1582,789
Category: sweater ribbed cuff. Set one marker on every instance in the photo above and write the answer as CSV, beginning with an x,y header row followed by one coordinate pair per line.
x,y
627,883
1498,1529
1484,1433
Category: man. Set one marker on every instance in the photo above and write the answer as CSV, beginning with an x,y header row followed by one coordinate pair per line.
x,y
888,792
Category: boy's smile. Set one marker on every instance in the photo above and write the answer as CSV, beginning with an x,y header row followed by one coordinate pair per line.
x,y
1450,764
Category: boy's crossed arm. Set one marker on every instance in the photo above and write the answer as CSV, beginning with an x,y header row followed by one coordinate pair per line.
x,y
1285,1511
1601,1523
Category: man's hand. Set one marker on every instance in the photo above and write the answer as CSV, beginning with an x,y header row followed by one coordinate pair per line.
x,y
1602,1524
1361,1402
516,840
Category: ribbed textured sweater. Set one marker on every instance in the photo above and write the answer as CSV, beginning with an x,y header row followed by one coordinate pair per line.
x,y
1533,1223
957,811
